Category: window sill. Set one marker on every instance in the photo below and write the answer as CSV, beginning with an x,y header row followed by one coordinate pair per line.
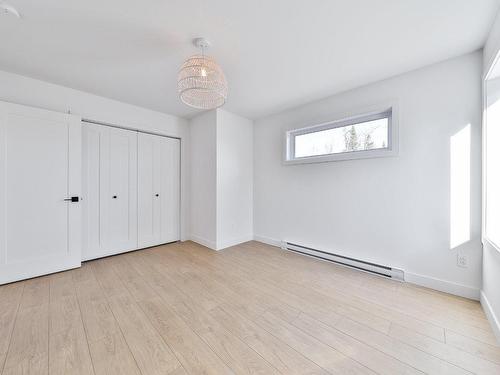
x,y
342,156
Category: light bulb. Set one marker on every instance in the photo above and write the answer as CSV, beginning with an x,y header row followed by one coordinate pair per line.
x,y
203,72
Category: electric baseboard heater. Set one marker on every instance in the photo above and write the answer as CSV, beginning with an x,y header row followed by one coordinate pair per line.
x,y
358,264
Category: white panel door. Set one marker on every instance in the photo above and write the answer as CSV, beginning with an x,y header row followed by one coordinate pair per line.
x,y
93,137
170,190
149,169
110,165
40,167
120,195
158,189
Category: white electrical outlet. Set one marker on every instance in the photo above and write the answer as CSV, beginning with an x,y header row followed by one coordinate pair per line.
x,y
462,260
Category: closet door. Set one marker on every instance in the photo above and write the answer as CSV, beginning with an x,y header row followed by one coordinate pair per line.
x,y
110,216
170,190
149,170
158,189
40,170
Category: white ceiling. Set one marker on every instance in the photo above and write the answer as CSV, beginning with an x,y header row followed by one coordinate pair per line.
x,y
275,53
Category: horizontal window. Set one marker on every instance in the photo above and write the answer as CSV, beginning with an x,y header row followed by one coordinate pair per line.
x,y
363,136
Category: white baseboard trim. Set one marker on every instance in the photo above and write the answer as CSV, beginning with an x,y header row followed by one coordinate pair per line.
x,y
214,246
267,240
490,314
443,285
234,242
425,281
202,241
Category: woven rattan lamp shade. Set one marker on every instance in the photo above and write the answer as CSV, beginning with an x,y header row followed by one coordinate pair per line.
x,y
201,83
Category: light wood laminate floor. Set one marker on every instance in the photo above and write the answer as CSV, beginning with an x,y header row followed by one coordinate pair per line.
x,y
253,308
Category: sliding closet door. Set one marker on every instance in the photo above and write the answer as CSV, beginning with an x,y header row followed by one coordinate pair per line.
x,y
170,190
149,169
110,164
158,189
119,195
40,170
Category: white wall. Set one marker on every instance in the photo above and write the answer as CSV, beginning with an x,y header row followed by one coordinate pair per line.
x,y
221,179
492,45
490,293
234,179
27,91
203,195
394,210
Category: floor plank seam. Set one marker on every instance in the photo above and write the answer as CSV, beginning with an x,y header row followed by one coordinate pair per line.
x,y
314,338
149,320
345,317
13,328
196,333
251,308
364,342
237,338
358,340
114,317
83,323
397,310
320,341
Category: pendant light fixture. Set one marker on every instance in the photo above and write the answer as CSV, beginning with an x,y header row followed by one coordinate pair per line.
x,y
201,83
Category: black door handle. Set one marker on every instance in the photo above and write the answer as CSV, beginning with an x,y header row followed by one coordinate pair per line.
x,y
157,195
72,199
115,196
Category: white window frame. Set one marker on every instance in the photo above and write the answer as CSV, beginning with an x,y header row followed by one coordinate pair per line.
x,y
392,149
484,157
